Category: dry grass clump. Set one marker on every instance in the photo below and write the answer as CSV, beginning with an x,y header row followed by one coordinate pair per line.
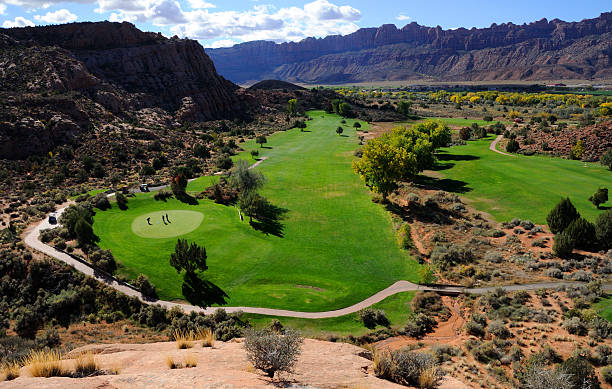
x,y
10,371
191,360
207,336
172,364
85,364
183,339
407,368
45,364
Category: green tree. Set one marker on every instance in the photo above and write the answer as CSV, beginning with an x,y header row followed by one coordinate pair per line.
x,y
599,197
606,159
512,146
336,105
426,275
357,125
582,232
345,110
400,155
561,216
260,140
251,203
563,245
577,150
339,130
121,201
244,179
403,107
188,257
73,213
84,232
439,133
178,184
292,107
603,229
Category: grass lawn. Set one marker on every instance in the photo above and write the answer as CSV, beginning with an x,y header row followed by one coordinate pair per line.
x,y
521,186
333,248
396,307
604,308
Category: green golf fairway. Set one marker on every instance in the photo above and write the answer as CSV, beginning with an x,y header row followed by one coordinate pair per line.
x,y
331,248
527,187
179,223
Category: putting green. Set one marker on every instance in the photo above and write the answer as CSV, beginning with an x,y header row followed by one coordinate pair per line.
x,y
181,222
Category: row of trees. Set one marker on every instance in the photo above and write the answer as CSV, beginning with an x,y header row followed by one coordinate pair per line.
x,y
400,155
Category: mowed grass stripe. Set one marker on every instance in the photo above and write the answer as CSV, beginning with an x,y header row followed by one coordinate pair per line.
x,y
338,247
527,187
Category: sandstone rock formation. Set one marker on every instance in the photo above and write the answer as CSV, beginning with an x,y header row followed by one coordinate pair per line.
x,y
321,365
541,50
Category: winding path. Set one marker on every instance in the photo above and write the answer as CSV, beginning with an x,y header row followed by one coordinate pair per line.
x,y
32,240
493,146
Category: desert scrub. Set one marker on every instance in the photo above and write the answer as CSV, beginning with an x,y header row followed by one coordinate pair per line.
x,y
183,339
408,368
85,364
9,371
271,352
207,336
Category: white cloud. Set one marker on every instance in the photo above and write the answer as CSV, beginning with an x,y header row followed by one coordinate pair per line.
x,y
2,9
36,4
121,17
158,12
402,17
57,17
200,4
264,22
222,43
19,21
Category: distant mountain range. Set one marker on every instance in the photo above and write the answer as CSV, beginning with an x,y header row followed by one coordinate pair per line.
x,y
541,50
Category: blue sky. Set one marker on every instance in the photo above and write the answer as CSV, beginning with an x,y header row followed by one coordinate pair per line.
x,y
221,22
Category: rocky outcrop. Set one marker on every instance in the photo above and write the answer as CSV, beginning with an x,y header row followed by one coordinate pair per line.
x,y
90,74
156,70
540,50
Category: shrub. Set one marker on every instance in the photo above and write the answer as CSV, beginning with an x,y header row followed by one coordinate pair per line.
x,y
493,256
444,352
606,374
560,217
527,224
465,133
145,286
563,245
271,352
404,238
449,254
538,377
606,159
371,318
581,373
121,201
582,232
101,202
486,352
9,371
499,329
575,326
599,197
419,325
512,146
429,303
473,328
183,339
407,368
603,229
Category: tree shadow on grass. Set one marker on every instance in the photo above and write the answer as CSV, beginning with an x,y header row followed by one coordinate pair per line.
x,y
442,166
268,220
202,293
187,199
446,184
441,156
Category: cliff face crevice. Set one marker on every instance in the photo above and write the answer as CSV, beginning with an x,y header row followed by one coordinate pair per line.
x,y
578,49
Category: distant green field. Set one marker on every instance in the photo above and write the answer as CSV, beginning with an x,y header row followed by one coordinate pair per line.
x,y
520,186
332,248
604,308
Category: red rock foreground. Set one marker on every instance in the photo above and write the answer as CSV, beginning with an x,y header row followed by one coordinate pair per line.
x,y
321,365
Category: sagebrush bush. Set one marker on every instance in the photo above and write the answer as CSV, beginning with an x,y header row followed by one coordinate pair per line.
x,y
271,352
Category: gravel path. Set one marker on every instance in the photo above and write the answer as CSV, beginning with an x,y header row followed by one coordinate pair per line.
x,y
493,146
32,240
